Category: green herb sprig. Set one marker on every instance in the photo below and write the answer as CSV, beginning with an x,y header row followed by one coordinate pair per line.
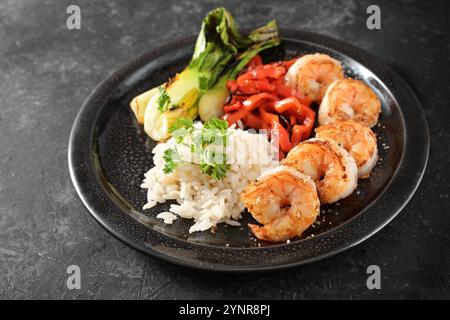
x,y
164,103
208,145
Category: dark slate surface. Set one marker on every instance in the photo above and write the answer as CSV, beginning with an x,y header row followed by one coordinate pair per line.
x,y
47,72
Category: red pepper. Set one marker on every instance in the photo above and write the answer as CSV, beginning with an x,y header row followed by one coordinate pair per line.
x,y
287,64
268,71
263,71
251,103
232,86
253,121
303,131
274,122
256,79
297,133
293,120
286,104
256,61
261,99
283,90
309,119
253,86
234,117
294,107
233,107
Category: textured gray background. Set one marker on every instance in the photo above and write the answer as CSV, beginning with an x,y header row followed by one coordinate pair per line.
x,y
46,73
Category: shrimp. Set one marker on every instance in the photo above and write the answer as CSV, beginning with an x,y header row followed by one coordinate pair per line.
x,y
350,99
313,73
331,167
284,201
357,139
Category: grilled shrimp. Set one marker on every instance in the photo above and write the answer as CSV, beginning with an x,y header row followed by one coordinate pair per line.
x,y
313,73
284,201
349,99
357,139
331,167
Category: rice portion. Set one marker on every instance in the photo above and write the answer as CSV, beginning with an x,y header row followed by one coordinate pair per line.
x,y
201,197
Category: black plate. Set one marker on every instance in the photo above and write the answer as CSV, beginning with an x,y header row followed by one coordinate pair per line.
x,y
109,154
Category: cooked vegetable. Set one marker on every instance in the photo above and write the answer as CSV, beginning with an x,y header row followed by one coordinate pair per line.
x,y
157,122
218,45
140,102
261,100
207,144
212,101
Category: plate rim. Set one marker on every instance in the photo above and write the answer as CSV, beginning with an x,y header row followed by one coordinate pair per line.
x,y
124,70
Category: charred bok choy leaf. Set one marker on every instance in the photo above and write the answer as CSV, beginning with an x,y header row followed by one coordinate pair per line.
x,y
219,45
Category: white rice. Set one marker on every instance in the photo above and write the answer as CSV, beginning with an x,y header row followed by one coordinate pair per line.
x,y
201,197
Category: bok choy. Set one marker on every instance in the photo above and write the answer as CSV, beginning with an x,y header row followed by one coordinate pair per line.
x,y
219,50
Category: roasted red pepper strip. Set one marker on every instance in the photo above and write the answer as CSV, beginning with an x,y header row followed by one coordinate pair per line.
x,y
256,79
256,61
296,135
232,86
285,143
288,63
286,104
274,122
233,107
283,90
292,120
268,71
235,116
309,119
294,107
264,71
292,104
261,99
248,86
303,131
251,103
253,121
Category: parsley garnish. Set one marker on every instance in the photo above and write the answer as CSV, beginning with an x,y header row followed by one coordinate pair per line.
x,y
181,128
208,145
172,160
216,123
217,171
163,100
